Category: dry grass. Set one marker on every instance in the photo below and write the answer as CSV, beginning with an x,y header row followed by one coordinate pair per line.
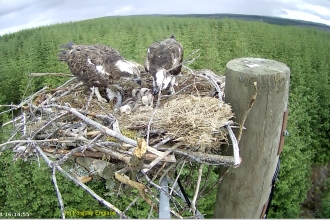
x,y
194,119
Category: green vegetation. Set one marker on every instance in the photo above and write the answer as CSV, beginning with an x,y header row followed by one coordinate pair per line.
x,y
325,208
305,51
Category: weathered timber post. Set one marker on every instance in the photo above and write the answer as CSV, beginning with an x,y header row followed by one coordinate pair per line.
x,y
244,191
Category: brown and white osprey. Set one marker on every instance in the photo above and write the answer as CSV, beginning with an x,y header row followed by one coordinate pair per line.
x,y
100,66
162,56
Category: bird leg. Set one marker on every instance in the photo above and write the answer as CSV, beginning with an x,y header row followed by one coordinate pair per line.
x,y
98,95
172,91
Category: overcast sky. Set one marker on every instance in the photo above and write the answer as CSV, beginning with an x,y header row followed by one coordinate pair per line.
x,y
21,14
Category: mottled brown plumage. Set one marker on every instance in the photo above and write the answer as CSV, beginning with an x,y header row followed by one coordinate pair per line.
x,y
99,66
162,56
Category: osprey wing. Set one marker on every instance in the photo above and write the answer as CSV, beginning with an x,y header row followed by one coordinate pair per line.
x,y
87,63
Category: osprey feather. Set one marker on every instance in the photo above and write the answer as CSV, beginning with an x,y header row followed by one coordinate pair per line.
x,y
100,66
161,57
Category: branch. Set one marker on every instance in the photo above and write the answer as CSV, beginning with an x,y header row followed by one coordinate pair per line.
x,y
101,200
237,159
216,184
102,128
51,74
48,123
160,157
213,82
75,153
193,202
25,101
32,141
130,205
114,154
58,193
208,159
177,177
164,141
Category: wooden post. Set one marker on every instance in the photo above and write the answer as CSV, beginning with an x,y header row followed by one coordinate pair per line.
x,y
244,191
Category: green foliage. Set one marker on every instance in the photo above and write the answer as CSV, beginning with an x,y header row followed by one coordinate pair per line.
x,y
305,51
325,210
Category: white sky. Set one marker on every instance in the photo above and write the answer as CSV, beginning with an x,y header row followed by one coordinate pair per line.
x,y
21,14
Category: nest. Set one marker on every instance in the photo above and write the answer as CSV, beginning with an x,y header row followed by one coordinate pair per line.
x,y
194,120
67,122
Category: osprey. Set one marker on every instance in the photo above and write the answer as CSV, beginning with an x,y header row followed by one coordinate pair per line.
x,y
100,66
162,57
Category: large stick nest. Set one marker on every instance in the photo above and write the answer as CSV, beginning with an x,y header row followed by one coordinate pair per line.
x,y
194,115
67,122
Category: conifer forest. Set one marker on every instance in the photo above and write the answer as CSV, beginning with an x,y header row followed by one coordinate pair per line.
x,y
27,185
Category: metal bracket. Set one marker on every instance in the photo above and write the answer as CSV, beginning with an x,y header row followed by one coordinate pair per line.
x,y
284,132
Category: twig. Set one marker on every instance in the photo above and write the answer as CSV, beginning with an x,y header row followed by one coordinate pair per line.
x,y
132,203
208,159
159,170
25,101
77,137
180,194
102,128
14,133
18,126
91,142
206,180
76,150
67,82
213,83
159,188
160,157
164,141
51,74
151,209
58,193
48,123
152,116
192,84
192,73
76,154
177,177
114,154
199,178
237,159
101,200
32,141
24,123
217,182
